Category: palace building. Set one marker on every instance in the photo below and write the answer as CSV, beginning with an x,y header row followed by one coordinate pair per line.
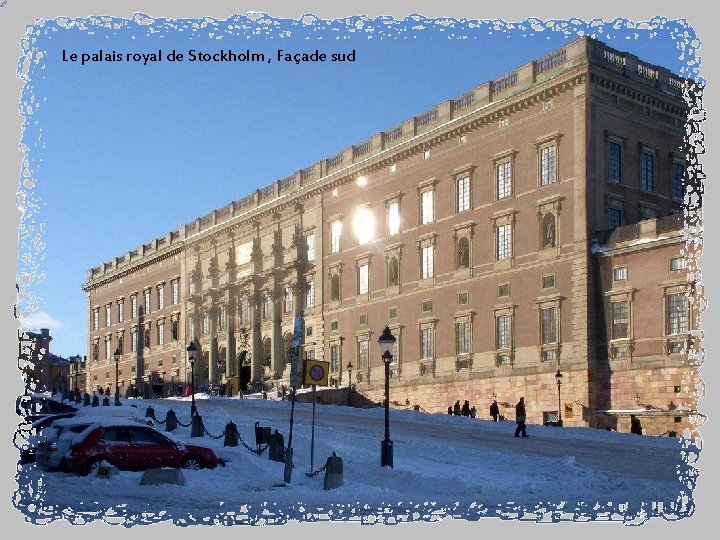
x,y
531,226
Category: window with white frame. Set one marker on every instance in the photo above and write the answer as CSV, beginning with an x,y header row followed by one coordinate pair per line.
x,y
363,279
95,348
108,314
121,310
648,171
161,332
462,338
678,181
310,293
548,325
620,273
222,318
504,242
244,310
191,327
428,261
335,358
363,354
134,339
310,247
427,204
426,343
393,217
175,291
161,296
288,299
548,165
335,233
206,323
677,264
463,194
503,175
108,347
96,318
503,334
133,306
620,319
267,305
677,314
147,301
614,161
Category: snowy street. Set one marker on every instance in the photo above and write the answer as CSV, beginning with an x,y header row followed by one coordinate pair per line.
x,y
443,465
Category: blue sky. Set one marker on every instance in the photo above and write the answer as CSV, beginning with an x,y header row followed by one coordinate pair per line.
x,y
121,153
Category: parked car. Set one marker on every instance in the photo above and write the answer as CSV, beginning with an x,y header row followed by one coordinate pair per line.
x,y
39,423
133,447
57,438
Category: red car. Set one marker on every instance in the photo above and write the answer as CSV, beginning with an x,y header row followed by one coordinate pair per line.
x,y
133,447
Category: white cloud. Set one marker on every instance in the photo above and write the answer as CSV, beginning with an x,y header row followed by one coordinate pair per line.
x,y
40,319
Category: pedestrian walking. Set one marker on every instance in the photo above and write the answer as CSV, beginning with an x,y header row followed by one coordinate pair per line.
x,y
494,410
635,426
456,408
465,411
473,412
520,418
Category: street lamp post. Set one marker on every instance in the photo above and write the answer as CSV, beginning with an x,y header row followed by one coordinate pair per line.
x,y
197,428
387,341
558,378
192,351
117,385
349,369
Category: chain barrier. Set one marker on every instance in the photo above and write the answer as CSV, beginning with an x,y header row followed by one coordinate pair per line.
x,y
315,473
213,436
246,445
185,425
161,422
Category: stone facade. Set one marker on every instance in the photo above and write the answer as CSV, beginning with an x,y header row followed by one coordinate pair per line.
x,y
467,229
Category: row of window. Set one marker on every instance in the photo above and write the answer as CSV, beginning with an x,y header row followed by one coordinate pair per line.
x,y
504,344
676,316
139,338
134,307
676,264
648,170
364,223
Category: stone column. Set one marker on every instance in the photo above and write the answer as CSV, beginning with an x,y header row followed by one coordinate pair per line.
x,y
256,338
213,353
277,343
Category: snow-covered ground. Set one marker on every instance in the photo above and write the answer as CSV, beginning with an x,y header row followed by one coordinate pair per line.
x,y
444,466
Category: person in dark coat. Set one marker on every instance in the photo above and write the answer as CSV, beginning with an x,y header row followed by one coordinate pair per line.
x,y
450,410
456,408
635,426
520,418
473,412
494,410
466,408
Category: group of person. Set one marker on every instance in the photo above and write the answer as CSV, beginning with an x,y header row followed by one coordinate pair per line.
x,y
464,410
520,414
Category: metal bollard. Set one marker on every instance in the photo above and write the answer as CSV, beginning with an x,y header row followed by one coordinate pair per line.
x,y
170,421
277,447
231,434
198,428
333,472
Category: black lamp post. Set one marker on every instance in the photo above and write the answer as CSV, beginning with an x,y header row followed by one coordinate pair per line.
x,y
558,378
387,341
192,351
117,384
349,369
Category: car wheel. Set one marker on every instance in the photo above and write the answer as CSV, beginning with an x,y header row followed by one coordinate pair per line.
x,y
193,463
92,466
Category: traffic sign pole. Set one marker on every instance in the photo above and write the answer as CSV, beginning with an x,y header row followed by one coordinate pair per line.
x,y
312,435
